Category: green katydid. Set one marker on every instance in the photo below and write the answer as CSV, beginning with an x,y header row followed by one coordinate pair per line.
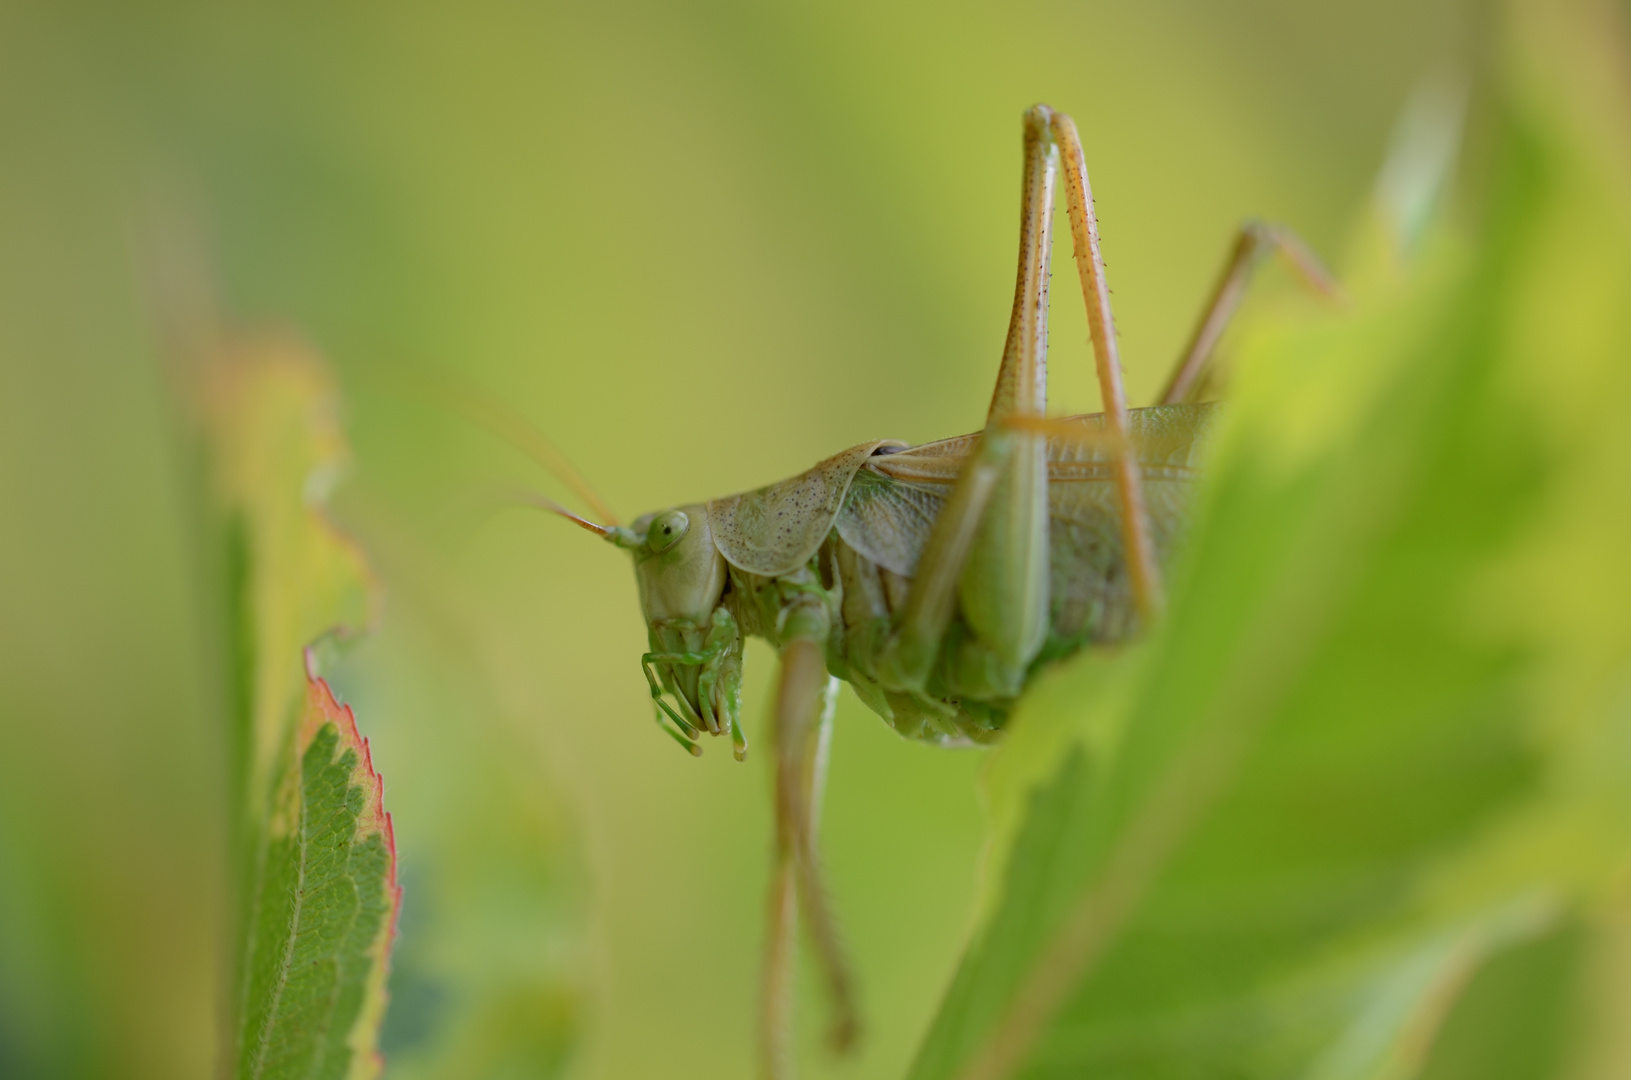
x,y
934,579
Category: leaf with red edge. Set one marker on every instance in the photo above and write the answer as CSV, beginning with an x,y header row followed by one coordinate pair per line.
x,y
326,910
314,857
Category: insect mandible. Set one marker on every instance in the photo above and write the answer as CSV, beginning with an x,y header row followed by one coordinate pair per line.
x,y
934,579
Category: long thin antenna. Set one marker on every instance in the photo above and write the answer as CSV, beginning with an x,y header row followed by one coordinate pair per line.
x,y
486,411
531,498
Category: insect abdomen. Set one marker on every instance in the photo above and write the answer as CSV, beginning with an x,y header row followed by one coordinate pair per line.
x,y
872,598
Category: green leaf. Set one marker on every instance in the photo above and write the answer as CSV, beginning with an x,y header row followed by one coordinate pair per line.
x,y
1380,736
324,915
314,861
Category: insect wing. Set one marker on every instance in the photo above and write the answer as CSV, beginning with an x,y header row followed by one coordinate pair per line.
x,y
895,499
776,529
888,519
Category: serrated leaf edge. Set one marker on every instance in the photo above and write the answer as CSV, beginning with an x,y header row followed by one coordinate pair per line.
x,y
366,1059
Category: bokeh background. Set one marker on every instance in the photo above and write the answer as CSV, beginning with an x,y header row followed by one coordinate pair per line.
x,y
702,245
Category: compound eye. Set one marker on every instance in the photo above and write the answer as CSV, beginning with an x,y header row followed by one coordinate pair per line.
x,y
666,530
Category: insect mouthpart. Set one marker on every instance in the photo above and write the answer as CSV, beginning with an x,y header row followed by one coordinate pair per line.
x,y
699,667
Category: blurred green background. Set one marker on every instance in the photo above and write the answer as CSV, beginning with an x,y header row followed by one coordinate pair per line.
x,y
703,246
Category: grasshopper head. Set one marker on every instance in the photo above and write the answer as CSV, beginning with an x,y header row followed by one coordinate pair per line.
x,y
680,572
681,576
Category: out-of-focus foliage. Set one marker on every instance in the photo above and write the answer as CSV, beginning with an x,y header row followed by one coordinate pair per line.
x,y
274,452
1382,742
487,978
